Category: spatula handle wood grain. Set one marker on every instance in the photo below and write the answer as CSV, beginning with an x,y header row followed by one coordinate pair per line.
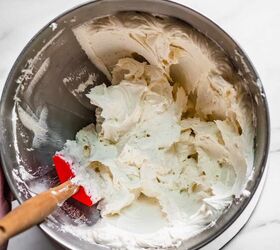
x,y
34,210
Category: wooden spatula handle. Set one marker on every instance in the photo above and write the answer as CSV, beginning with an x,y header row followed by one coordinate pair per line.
x,y
34,210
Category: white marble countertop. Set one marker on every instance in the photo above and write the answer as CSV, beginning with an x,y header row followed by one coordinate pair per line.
x,y
254,24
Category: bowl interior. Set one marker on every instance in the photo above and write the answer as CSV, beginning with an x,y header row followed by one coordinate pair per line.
x,y
45,77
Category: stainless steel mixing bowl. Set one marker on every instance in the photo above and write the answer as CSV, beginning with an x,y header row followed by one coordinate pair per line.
x,y
68,114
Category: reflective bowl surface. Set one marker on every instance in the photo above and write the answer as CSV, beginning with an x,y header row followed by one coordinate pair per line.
x,y
57,49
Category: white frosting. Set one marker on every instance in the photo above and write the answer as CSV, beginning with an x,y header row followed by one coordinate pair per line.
x,y
36,78
37,125
172,133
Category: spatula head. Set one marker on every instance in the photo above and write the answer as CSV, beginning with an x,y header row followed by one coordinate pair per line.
x,y
64,172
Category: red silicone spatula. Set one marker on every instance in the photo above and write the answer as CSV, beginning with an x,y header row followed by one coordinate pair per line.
x,y
64,172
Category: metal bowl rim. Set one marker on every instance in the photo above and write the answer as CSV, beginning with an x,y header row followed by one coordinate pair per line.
x,y
47,230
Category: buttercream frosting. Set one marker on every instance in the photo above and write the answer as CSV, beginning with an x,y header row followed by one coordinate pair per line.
x,y
173,136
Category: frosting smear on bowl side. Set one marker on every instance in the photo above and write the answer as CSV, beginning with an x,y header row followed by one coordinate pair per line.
x,y
173,140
